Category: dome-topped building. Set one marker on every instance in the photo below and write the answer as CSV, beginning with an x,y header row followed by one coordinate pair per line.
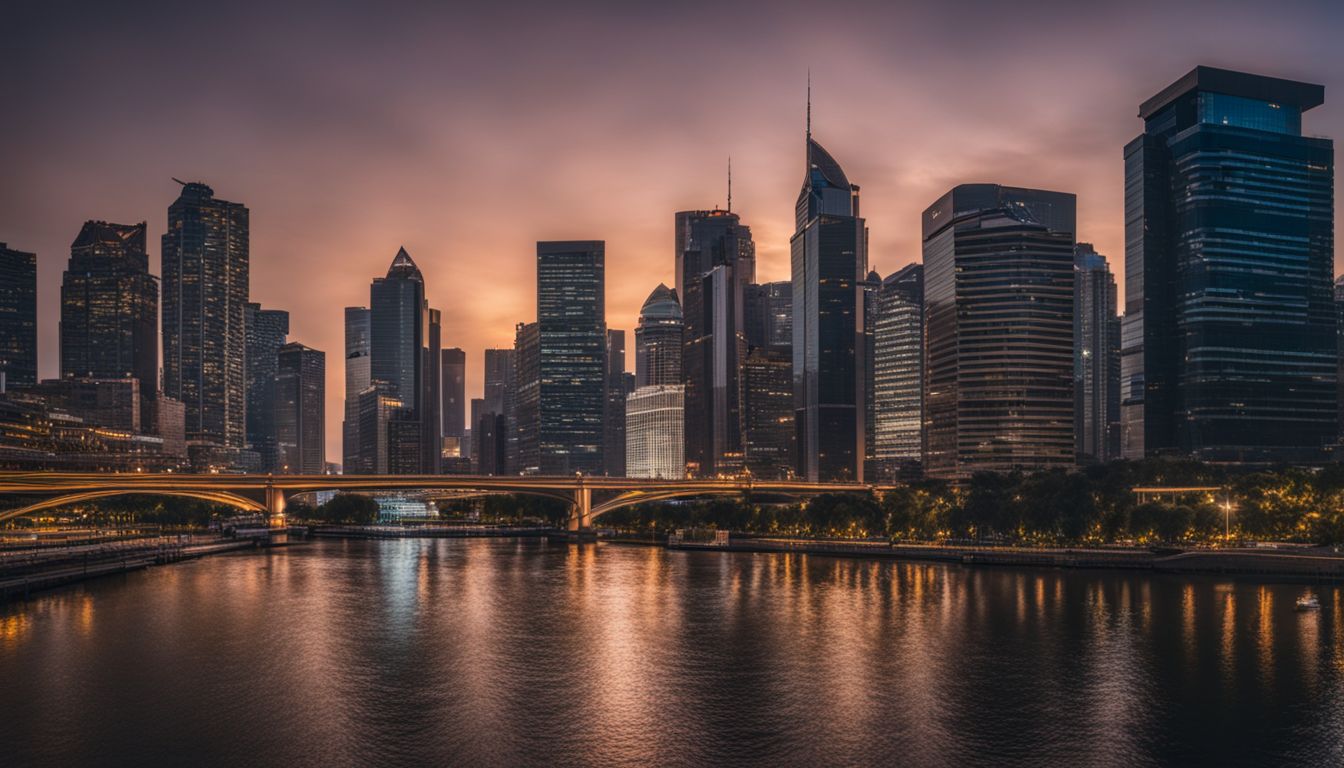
x,y
658,339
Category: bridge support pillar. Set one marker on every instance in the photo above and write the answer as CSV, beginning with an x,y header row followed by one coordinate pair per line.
x,y
580,516
275,506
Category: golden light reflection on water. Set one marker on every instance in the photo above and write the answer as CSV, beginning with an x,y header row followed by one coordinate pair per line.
x,y
1264,634
14,626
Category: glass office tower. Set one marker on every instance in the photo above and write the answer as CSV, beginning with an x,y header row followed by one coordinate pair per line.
x,y
898,368
205,291
572,356
358,379
829,259
18,317
998,325
300,410
1096,358
1228,341
110,310
266,332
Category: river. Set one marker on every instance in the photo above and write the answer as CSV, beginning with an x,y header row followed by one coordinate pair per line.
x,y
506,652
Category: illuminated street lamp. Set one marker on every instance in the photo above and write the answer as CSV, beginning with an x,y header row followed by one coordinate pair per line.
x,y
1227,517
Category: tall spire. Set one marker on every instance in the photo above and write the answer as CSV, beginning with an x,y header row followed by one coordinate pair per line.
x,y
809,103
730,183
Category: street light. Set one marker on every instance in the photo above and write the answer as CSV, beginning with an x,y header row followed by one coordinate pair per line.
x,y
1227,517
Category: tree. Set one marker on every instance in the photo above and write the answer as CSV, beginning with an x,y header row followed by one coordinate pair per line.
x,y
352,508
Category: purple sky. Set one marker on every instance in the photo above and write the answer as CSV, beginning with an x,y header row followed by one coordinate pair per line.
x,y
466,135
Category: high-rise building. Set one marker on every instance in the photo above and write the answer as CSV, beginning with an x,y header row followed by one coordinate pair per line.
x,y
266,332
110,310
404,354
767,412
378,408
898,374
1096,358
454,375
1229,351
613,450
572,338
654,420
524,447
18,317
205,290
300,410
871,286
998,329
1339,345
715,261
658,340
358,378
829,261
100,403
768,314
431,395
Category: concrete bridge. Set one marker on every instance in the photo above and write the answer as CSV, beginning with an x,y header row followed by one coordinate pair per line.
x,y
588,497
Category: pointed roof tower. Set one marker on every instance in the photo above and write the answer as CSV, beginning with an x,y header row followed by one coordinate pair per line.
x,y
404,267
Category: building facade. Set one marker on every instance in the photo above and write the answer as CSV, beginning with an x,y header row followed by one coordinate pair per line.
x,y
829,261
266,332
767,412
358,378
454,381
715,261
205,291
658,339
1228,348
110,309
998,325
300,410
898,374
18,317
572,370
654,443
1096,358
524,448
404,354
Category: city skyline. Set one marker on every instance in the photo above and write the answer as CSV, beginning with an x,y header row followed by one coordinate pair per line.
x,y
902,157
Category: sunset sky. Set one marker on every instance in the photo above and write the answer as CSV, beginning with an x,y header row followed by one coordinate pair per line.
x,y
351,129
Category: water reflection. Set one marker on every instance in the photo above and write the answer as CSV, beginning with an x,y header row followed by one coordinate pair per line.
x,y
501,652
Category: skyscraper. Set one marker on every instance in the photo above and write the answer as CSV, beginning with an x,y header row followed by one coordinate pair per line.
x,y
658,340
266,332
454,374
654,420
768,313
898,374
613,450
524,447
1096,358
18,317
205,289
490,427
110,310
829,260
572,331
715,261
998,328
300,410
767,412
358,378
1229,350
404,354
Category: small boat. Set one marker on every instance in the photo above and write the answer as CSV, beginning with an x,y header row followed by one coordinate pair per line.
x,y
1308,603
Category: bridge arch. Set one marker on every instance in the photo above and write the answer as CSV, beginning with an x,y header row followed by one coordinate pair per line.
x,y
631,498
219,497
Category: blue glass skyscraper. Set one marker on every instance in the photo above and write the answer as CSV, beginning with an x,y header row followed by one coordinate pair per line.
x,y
1228,342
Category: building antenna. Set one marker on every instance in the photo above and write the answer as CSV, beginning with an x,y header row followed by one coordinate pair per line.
x,y
179,181
809,103
730,183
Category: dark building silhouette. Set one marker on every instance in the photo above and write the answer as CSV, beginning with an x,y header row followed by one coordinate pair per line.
x,y
829,261
1096,358
898,374
619,385
266,332
404,353
205,290
18,317
300,410
715,261
998,325
572,370
524,436
110,310
358,378
1229,351
490,426
767,412
454,376
658,340
768,313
